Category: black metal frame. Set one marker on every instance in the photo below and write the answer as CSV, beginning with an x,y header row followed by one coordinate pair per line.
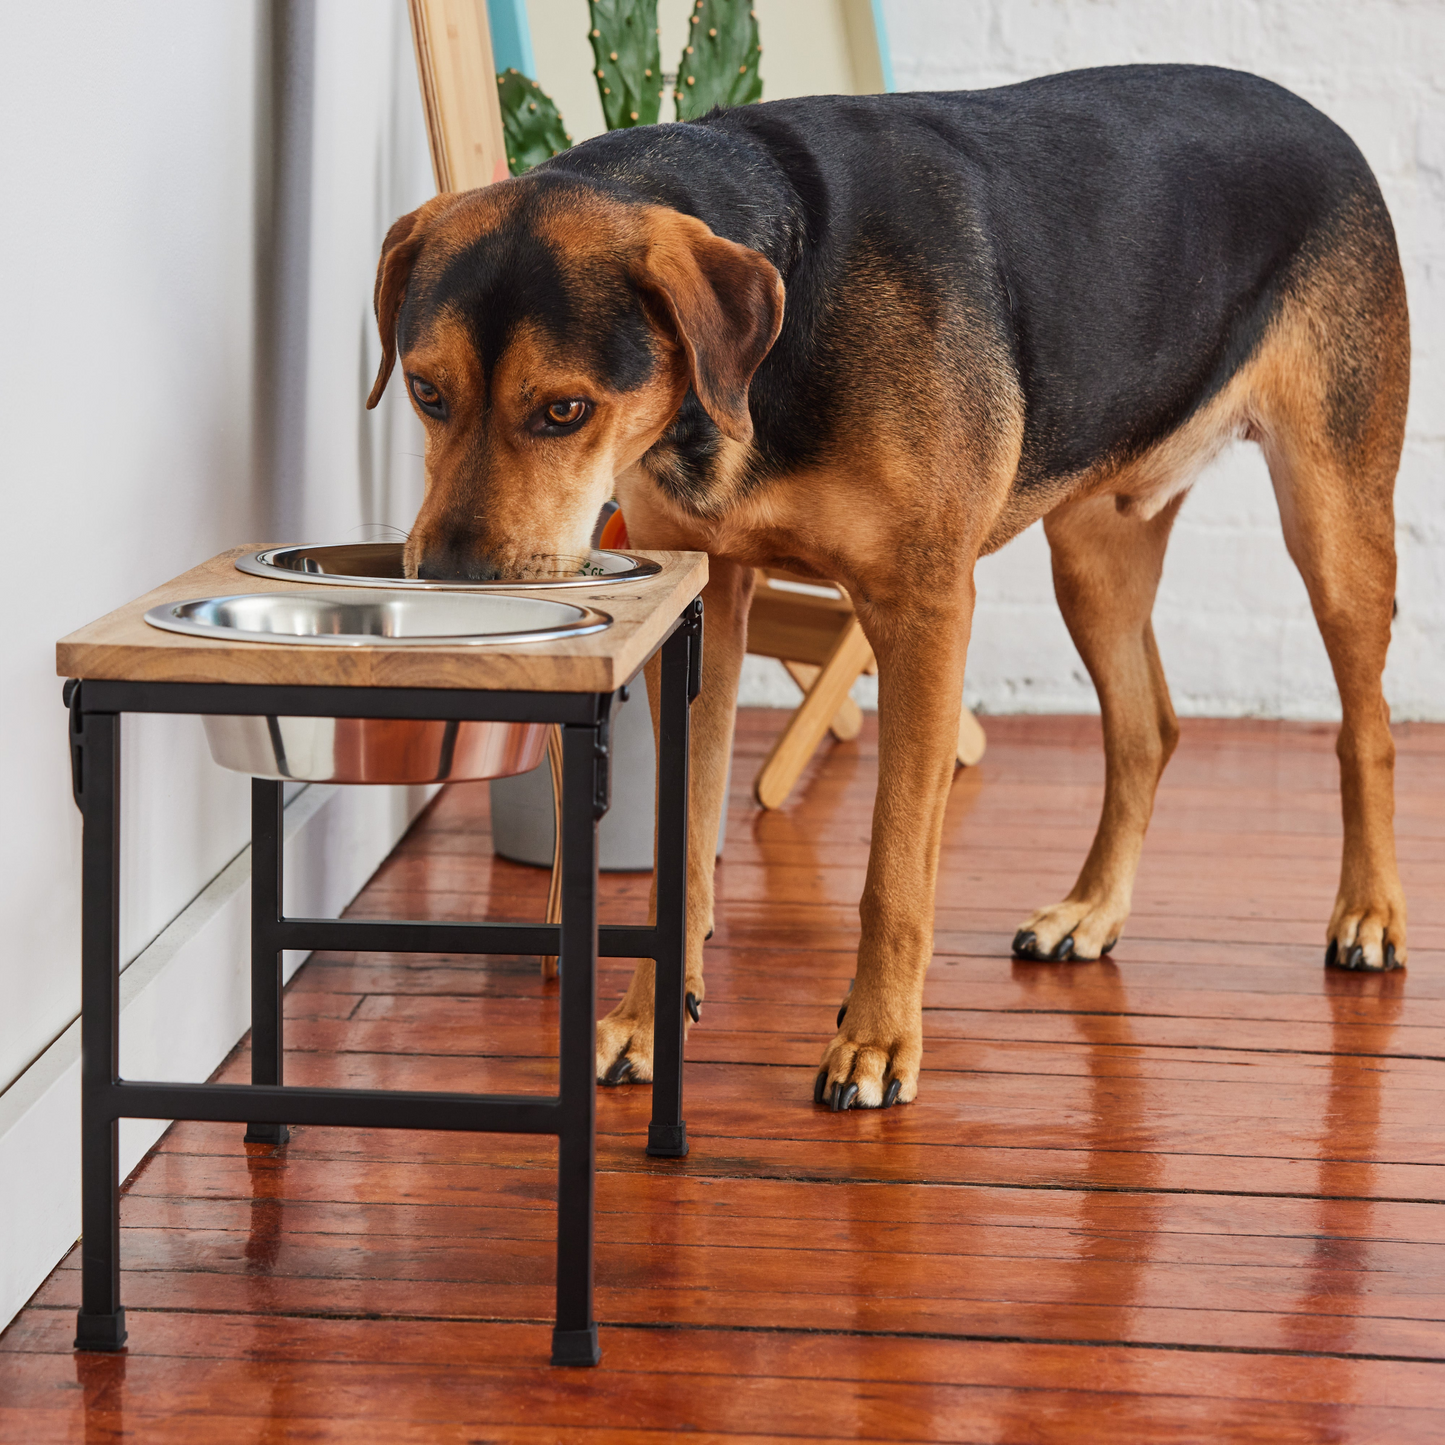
x,y
266,1105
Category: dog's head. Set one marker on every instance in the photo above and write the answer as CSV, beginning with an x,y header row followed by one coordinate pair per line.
x,y
548,333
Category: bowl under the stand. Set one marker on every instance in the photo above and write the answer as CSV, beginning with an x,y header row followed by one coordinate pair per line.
x,y
374,750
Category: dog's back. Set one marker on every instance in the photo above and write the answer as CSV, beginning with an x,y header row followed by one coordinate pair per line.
x,y
1124,235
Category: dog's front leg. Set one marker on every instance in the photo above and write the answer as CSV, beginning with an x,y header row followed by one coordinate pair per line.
x,y
624,1037
874,1059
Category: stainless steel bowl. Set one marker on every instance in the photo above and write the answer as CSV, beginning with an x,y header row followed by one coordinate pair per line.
x,y
378,564
374,750
368,619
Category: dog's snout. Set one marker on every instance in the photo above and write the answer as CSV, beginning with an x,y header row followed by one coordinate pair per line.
x,y
454,561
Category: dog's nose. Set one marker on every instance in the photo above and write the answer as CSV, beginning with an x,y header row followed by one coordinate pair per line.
x,y
450,562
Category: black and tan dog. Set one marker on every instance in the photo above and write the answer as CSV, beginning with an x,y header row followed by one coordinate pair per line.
x,y
871,340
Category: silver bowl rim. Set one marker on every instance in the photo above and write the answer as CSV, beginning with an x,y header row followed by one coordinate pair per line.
x,y
260,564
167,617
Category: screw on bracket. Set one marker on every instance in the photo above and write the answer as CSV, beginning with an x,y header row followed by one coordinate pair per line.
x,y
602,769
692,625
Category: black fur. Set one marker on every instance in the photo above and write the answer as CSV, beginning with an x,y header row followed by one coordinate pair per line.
x,y
1123,236
512,275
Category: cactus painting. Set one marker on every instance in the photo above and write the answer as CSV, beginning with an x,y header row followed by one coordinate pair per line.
x,y
530,122
719,64
627,63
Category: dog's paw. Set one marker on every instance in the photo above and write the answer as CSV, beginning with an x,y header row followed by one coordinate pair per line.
x,y
1367,935
624,1046
869,1065
1070,932
624,1037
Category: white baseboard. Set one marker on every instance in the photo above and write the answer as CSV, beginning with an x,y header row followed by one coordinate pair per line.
x,y
185,1001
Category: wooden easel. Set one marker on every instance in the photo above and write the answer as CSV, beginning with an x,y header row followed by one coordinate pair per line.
x,y
812,630
458,77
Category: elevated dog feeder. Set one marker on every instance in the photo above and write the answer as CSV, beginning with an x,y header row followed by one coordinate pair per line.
x,y
570,681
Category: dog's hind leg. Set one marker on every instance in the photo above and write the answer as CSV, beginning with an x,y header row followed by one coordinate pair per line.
x,y
1332,427
1106,571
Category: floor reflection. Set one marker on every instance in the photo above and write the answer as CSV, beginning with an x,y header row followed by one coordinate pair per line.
x,y
1364,1009
1116,1235
266,1171
101,1379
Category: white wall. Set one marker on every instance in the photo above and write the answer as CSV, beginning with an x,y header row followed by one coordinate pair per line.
x,y
1233,623
195,196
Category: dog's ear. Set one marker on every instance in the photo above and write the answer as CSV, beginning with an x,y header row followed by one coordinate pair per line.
x,y
398,255
725,303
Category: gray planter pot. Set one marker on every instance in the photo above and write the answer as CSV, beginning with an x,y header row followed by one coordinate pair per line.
x,y
523,827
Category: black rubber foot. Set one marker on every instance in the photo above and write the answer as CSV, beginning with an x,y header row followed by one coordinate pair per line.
x,y
576,1347
273,1134
667,1141
100,1332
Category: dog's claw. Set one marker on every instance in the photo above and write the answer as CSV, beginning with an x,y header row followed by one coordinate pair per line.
x,y
1390,960
1355,958
842,1014
820,1086
891,1097
1063,950
619,1071
694,1010
1026,944
1109,946
843,1096
1332,954
707,935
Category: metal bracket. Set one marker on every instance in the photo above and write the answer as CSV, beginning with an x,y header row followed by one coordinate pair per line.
x,y
692,625
602,768
71,694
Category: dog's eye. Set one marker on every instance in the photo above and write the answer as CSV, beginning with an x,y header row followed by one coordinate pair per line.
x,y
565,414
428,397
560,418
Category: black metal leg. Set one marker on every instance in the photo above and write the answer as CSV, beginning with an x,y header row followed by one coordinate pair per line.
x,y
574,1338
667,1133
101,1321
266,893
95,739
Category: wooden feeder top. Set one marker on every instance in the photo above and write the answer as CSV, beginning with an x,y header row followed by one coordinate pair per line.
x,y
123,646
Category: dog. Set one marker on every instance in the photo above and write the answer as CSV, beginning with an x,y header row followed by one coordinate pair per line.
x,y
870,339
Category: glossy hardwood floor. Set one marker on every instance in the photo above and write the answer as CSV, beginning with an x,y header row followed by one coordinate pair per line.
x,y
1190,1194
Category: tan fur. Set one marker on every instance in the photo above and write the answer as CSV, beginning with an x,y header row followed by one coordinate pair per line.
x,y
1346,319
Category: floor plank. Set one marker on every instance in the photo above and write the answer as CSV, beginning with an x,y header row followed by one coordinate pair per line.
x,y
1195,1191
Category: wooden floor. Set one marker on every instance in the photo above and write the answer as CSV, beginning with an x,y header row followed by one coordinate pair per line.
x,y
1189,1194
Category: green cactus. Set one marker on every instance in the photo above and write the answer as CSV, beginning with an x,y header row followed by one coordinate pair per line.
x,y
719,64
627,64
533,128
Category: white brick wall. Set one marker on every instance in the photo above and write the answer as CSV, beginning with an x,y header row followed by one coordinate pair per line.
x,y
1232,619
